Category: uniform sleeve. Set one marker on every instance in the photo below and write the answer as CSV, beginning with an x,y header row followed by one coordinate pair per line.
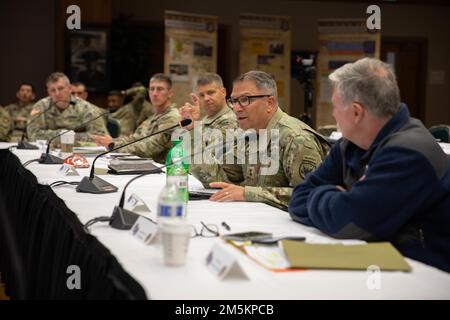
x,y
329,173
156,145
217,172
138,95
37,129
146,112
301,155
126,119
5,125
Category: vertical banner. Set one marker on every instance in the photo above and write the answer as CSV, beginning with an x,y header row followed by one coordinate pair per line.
x,y
340,41
266,46
190,49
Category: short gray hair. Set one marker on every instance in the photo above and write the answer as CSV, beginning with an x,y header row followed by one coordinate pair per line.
x,y
55,76
208,78
370,82
262,81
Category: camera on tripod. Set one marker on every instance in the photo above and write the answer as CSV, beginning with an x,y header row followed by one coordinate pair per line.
x,y
303,69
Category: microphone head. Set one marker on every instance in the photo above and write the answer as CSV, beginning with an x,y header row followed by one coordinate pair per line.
x,y
185,122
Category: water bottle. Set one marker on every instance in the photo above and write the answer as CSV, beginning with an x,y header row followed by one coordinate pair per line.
x,y
170,203
177,170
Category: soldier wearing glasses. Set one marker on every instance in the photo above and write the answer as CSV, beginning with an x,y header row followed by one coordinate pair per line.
x,y
301,149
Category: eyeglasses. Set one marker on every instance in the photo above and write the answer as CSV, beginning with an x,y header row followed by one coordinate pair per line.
x,y
207,231
244,101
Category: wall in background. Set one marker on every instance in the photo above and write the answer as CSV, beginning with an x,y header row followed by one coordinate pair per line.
x,y
431,22
27,42
30,36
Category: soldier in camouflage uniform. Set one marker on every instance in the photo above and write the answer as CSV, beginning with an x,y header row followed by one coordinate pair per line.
x,y
20,111
78,89
5,124
210,97
166,115
141,107
124,114
64,112
300,149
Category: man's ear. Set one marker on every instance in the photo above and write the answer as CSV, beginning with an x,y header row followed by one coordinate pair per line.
x,y
17,94
271,104
170,93
223,91
359,111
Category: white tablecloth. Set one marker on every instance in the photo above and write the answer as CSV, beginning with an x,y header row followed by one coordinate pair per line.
x,y
195,281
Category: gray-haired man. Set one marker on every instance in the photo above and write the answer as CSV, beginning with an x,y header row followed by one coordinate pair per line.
x,y
387,179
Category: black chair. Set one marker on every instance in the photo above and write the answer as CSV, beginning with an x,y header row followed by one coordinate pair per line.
x,y
113,126
441,132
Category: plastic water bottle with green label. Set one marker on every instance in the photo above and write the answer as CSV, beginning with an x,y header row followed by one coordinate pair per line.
x,y
177,170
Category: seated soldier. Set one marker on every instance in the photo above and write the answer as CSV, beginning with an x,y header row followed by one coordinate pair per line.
x,y
61,110
124,114
166,115
20,111
292,148
210,97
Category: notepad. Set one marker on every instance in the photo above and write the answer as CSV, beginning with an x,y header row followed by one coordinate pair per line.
x,y
339,256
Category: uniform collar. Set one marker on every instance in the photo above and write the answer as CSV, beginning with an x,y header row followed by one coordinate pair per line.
x,y
159,115
275,119
210,119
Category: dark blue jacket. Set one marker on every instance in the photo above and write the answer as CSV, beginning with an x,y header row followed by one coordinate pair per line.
x,y
403,198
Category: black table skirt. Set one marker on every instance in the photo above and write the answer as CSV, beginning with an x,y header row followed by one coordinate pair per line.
x,y
47,238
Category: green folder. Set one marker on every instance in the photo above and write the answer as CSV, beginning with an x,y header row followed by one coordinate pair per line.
x,y
339,256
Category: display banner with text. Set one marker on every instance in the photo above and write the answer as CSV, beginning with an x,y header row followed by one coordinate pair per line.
x,y
190,50
266,46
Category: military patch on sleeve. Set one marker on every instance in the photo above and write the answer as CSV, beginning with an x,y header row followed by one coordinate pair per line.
x,y
306,167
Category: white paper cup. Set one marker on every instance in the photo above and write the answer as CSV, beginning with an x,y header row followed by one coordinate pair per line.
x,y
67,142
175,236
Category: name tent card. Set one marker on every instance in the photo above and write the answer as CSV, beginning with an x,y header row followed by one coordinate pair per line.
x,y
68,170
144,230
223,264
135,203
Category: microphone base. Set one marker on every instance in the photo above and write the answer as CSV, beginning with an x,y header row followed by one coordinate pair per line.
x,y
122,219
47,158
95,185
23,145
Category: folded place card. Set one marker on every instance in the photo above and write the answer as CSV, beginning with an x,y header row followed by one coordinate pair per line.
x,y
144,230
223,264
339,256
68,170
135,203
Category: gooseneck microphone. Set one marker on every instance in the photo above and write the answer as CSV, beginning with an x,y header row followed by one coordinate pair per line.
x,y
93,184
124,219
24,145
47,158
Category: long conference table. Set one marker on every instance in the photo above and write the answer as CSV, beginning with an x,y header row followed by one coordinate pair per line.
x,y
194,280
